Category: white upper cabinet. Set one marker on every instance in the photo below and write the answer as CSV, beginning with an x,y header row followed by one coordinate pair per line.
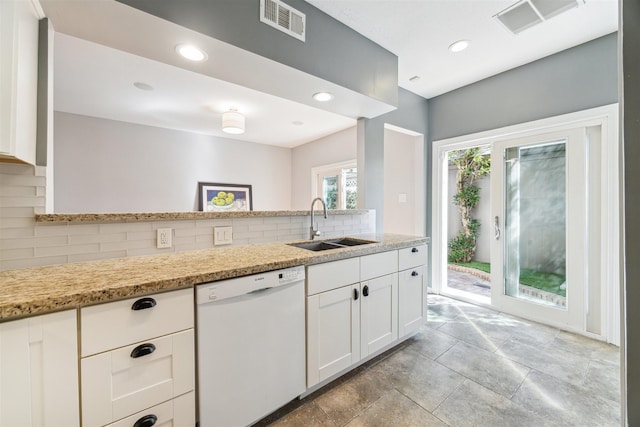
x,y
18,80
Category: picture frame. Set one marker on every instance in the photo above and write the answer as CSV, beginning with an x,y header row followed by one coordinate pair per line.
x,y
219,197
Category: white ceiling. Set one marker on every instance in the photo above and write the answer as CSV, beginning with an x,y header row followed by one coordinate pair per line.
x,y
419,32
96,80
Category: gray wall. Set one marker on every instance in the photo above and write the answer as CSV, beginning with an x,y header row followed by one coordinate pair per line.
x,y
630,107
411,114
332,50
575,79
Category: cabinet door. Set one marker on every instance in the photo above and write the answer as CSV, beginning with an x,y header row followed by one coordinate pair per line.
x,y
18,80
39,371
379,313
333,332
411,301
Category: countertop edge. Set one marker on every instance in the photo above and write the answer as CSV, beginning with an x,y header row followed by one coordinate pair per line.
x,y
71,294
173,216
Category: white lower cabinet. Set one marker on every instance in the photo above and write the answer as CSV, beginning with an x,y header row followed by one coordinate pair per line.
x,y
333,332
347,323
411,301
139,359
39,371
378,313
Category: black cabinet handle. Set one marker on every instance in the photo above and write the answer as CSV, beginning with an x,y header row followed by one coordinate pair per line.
x,y
365,291
355,294
143,303
414,250
415,273
143,350
146,421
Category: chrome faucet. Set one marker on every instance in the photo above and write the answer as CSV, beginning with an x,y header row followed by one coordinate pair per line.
x,y
315,232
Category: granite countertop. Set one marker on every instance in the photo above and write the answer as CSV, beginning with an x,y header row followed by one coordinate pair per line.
x,y
172,216
45,289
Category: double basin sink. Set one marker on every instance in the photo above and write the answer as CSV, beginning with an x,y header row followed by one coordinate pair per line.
x,y
326,245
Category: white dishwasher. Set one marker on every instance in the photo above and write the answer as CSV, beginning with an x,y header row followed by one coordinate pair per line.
x,y
251,346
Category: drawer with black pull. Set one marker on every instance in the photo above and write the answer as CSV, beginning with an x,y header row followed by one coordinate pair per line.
x,y
177,412
414,256
121,382
107,326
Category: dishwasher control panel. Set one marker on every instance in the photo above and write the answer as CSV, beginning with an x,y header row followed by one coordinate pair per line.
x,y
246,285
289,275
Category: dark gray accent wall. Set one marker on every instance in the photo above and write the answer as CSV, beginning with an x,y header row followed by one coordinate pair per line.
x,y
572,80
411,114
630,124
44,80
332,51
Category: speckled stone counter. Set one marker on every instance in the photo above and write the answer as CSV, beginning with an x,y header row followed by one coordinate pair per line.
x,y
172,216
39,290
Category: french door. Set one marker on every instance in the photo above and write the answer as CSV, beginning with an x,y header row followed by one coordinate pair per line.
x,y
540,189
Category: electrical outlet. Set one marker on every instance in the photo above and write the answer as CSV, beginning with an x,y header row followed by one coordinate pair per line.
x,y
164,238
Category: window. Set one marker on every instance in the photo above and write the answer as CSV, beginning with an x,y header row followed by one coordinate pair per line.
x,y
337,185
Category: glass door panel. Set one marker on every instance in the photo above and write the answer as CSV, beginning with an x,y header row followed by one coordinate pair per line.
x,y
535,223
539,214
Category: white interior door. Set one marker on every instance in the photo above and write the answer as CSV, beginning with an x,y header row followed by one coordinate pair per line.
x,y
540,199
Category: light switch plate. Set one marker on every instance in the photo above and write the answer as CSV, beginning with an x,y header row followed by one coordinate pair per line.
x,y
222,235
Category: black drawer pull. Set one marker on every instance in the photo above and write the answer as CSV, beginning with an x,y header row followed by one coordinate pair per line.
x,y
146,421
355,294
415,273
414,250
143,303
143,350
365,291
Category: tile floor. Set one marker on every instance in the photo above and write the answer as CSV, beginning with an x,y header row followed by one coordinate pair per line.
x,y
471,366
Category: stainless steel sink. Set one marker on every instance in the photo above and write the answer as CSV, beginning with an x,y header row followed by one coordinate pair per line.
x,y
326,245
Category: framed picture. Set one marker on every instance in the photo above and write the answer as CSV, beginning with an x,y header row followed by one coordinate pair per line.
x,y
215,197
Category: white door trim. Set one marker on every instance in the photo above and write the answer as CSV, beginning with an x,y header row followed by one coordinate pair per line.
x,y
607,118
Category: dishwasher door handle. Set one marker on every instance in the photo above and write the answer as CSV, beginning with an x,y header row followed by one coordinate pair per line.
x,y
256,291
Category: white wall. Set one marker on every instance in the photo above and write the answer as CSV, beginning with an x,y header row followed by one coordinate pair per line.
x,y
338,147
109,166
403,177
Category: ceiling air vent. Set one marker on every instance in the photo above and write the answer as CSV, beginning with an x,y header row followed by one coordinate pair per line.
x,y
527,13
283,17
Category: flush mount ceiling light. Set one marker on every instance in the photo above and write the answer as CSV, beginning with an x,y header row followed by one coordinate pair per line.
x,y
191,52
233,122
459,45
323,96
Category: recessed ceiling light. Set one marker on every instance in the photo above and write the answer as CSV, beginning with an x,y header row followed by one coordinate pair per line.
x,y
143,86
191,52
322,96
459,46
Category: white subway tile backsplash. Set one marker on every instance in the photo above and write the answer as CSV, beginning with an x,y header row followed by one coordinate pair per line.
x,y
25,243
52,230
94,256
66,250
81,239
16,253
